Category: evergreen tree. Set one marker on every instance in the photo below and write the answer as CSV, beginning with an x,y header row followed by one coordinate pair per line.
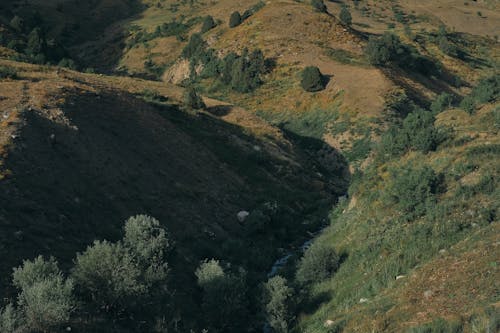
x,y
278,304
224,296
345,16
312,79
235,19
319,5
193,100
208,24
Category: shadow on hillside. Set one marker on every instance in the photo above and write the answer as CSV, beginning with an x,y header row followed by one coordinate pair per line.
x,y
121,156
219,110
312,304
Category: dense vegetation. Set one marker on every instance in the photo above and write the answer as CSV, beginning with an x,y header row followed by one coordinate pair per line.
x,y
415,232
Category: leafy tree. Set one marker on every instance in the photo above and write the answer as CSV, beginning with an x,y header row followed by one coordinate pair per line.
x,y
17,23
312,79
148,244
224,296
47,303
416,133
235,20
278,304
441,103
107,274
208,24
319,5
195,46
36,47
192,99
318,263
33,271
384,49
413,189
10,319
45,297
227,67
345,16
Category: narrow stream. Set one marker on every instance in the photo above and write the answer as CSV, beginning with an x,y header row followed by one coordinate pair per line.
x,y
281,262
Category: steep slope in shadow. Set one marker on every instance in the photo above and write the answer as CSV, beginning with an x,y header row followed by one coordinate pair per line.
x,y
76,180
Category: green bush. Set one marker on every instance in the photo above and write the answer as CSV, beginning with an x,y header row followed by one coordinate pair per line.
x,y
208,24
7,72
148,244
194,47
45,299
278,304
47,303
319,262
345,16
319,5
417,132
193,100
107,274
413,189
388,49
235,20
441,103
34,271
224,296
312,79
10,319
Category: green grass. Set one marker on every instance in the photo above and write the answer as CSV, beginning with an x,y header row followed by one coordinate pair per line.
x,y
313,123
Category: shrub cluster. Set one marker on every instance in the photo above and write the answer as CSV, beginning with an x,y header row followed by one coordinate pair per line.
x,y
312,79
241,73
487,90
417,132
319,262
413,189
388,49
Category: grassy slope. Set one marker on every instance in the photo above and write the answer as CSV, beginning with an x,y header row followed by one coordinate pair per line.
x,y
352,105
449,258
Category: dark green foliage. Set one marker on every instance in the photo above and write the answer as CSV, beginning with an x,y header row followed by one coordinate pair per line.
x,y
10,319
192,99
468,104
68,63
441,103
227,67
312,79
413,189
224,296
438,326
7,72
148,244
278,304
252,10
319,262
195,46
388,49
107,274
17,23
319,5
45,298
487,90
246,71
235,19
116,275
447,47
345,16
416,133
208,24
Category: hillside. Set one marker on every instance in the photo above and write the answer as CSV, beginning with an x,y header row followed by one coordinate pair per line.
x,y
301,166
